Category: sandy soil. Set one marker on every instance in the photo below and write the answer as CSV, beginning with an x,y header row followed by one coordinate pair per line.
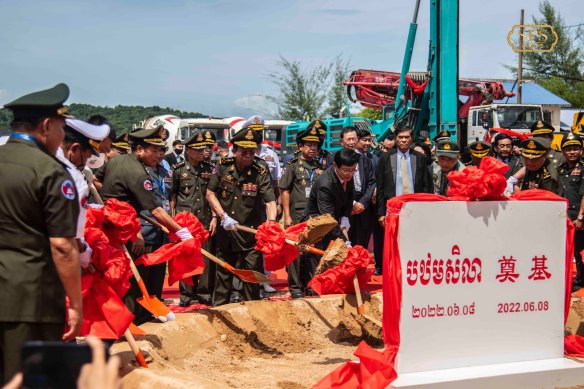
x,y
260,344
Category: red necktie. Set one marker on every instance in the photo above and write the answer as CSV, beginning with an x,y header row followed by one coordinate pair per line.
x,y
345,186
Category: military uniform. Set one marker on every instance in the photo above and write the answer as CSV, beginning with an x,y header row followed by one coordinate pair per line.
x,y
38,202
127,179
189,188
297,179
242,195
545,177
440,177
543,129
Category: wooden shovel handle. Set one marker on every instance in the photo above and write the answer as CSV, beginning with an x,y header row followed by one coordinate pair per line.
x,y
308,248
246,229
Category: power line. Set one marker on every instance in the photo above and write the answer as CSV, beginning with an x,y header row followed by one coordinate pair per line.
x,y
574,25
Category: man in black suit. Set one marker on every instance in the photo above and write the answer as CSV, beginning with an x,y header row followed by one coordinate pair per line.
x,y
176,155
401,171
364,182
332,193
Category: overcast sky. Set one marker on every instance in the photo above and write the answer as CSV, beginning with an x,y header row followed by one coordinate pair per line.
x,y
212,56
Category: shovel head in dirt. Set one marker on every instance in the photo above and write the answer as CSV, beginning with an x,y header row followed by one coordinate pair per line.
x,y
333,256
316,229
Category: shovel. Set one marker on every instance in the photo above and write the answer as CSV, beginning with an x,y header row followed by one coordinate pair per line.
x,y
250,276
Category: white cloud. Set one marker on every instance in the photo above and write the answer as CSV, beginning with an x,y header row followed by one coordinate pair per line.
x,y
5,96
257,104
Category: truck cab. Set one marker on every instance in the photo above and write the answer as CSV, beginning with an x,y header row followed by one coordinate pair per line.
x,y
516,117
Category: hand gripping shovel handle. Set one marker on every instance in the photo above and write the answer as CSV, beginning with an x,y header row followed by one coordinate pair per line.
x,y
245,275
303,247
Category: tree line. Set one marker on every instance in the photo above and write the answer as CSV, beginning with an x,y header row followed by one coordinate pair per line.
x,y
122,117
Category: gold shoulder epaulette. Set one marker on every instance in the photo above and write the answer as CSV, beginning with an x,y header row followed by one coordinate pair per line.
x,y
290,162
226,161
178,165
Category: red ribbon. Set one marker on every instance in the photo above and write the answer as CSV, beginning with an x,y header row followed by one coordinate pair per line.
x,y
271,241
485,182
339,279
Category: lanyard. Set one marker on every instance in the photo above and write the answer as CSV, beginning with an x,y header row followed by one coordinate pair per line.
x,y
311,175
159,182
20,135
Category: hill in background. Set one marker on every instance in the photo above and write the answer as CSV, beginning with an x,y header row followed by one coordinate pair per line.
x,y
121,116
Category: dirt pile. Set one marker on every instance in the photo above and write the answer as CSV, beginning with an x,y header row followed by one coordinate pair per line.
x,y
260,344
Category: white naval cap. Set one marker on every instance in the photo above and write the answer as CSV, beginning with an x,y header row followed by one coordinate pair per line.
x,y
89,131
255,122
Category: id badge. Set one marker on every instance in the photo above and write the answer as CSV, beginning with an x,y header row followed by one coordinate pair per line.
x,y
166,205
307,190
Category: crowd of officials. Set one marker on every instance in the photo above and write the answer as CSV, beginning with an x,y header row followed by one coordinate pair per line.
x,y
47,185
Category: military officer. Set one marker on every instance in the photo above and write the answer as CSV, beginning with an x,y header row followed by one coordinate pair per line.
x,y
295,186
447,154
571,174
190,179
238,191
127,179
543,129
39,207
442,136
540,172
478,150
210,139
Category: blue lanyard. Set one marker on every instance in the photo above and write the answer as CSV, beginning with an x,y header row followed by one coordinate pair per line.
x,y
311,175
20,135
159,182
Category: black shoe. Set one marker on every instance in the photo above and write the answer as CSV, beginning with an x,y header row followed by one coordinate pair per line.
x,y
298,295
378,272
235,298
576,287
185,302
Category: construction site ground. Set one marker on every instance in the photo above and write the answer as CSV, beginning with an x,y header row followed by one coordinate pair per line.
x,y
275,343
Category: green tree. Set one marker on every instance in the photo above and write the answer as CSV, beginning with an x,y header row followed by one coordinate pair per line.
x,y
122,117
336,94
370,113
561,71
302,92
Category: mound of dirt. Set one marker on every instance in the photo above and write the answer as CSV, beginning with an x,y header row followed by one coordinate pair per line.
x,y
258,344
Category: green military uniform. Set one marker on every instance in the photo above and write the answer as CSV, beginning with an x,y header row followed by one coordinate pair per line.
x,y
545,177
545,130
440,177
126,179
189,188
243,195
298,178
38,202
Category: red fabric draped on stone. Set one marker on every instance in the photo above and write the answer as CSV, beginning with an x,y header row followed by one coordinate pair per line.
x,y
374,370
122,223
339,279
271,241
487,182
184,258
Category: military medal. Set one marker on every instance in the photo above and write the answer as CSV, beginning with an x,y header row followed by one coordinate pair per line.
x,y
185,175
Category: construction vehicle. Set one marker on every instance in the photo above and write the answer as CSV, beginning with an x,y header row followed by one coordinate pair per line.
x,y
429,101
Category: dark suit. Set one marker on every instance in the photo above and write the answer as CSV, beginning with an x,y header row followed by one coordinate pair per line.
x,y
172,159
386,175
361,226
326,196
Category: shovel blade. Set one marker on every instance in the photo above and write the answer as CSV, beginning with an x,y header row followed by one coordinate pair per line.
x,y
251,276
155,307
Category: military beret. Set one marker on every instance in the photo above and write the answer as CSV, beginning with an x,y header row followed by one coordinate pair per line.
x,y
247,138
541,127
443,135
45,103
479,149
122,142
255,123
210,137
447,149
196,141
155,136
571,139
533,148
87,134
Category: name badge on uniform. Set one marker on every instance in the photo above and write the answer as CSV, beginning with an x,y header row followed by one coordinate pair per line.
x,y
206,175
575,172
307,190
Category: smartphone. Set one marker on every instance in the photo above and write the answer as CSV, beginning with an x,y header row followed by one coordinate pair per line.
x,y
52,365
